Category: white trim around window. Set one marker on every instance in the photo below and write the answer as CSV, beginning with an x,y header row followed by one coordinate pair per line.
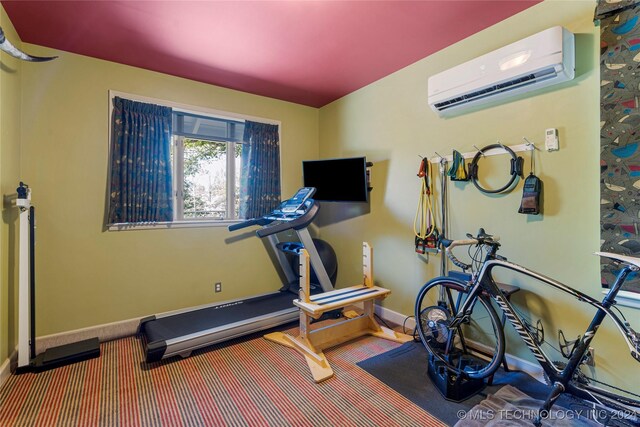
x,y
191,223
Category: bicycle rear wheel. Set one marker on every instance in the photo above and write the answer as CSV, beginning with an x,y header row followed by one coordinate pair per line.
x,y
480,334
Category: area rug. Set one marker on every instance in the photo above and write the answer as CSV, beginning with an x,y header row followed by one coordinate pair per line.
x,y
248,382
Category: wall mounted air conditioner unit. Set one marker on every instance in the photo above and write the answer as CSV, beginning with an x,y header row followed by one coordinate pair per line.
x,y
543,59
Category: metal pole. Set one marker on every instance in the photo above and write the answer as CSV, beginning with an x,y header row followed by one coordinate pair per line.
x,y
32,282
443,213
23,202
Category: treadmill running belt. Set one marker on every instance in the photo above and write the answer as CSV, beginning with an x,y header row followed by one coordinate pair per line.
x,y
179,325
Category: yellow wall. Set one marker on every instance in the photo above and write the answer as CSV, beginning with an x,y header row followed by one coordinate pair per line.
x,y
86,276
391,123
10,84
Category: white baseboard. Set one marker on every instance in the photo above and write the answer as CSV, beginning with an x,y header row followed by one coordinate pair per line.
x,y
125,328
8,366
518,364
409,323
106,332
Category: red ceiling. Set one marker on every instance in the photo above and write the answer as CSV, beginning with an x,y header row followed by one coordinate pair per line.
x,y
307,52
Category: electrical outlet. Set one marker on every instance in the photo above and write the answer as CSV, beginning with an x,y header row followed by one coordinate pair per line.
x,y
217,287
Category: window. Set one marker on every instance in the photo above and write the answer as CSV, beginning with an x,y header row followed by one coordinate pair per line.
x,y
206,160
176,165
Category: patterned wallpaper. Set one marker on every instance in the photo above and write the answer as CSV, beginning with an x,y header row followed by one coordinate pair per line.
x,y
620,133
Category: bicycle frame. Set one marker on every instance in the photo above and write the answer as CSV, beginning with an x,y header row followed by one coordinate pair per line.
x,y
484,282
560,377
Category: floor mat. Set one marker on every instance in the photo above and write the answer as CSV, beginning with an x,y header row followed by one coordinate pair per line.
x,y
405,370
511,407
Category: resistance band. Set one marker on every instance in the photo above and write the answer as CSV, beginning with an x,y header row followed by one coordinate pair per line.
x,y
426,234
458,171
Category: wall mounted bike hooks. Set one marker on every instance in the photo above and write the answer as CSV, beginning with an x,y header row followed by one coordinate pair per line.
x,y
516,164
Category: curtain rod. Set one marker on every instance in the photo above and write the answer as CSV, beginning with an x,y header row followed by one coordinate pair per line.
x,y
191,109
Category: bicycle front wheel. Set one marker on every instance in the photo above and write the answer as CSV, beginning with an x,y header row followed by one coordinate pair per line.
x,y
480,334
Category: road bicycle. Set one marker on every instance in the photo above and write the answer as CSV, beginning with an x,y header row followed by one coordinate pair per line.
x,y
455,318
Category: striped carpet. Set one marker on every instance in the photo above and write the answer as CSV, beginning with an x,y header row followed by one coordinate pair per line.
x,y
247,383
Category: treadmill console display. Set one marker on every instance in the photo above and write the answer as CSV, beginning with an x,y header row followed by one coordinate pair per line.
x,y
296,202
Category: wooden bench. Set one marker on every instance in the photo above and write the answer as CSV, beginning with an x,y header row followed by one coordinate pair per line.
x,y
312,342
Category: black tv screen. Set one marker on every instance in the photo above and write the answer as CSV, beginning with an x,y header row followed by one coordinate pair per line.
x,y
337,180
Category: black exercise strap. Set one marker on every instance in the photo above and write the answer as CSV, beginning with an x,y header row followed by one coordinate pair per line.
x,y
531,203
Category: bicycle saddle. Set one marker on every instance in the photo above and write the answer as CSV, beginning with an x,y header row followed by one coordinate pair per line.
x,y
620,258
483,237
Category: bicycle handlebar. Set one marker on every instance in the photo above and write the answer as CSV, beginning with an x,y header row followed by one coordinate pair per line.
x,y
481,239
453,258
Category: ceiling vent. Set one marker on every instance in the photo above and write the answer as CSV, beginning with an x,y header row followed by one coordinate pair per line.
x,y
543,59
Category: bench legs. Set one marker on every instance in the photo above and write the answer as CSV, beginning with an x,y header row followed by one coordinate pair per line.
x,y
311,342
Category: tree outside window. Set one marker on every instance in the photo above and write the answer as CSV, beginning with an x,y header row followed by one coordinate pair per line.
x,y
206,175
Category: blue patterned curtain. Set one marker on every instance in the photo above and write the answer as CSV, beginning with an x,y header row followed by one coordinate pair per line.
x,y
619,124
260,173
140,189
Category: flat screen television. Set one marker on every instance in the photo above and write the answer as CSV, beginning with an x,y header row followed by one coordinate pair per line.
x,y
337,180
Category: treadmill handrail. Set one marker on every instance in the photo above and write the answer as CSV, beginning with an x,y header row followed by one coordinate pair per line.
x,y
295,224
248,223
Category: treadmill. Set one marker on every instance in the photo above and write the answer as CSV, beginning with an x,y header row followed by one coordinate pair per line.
x,y
181,332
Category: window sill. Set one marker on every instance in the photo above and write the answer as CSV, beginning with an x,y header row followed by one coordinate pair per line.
x,y
173,224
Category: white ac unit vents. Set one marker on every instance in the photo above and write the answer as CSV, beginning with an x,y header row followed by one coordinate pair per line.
x,y
543,59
